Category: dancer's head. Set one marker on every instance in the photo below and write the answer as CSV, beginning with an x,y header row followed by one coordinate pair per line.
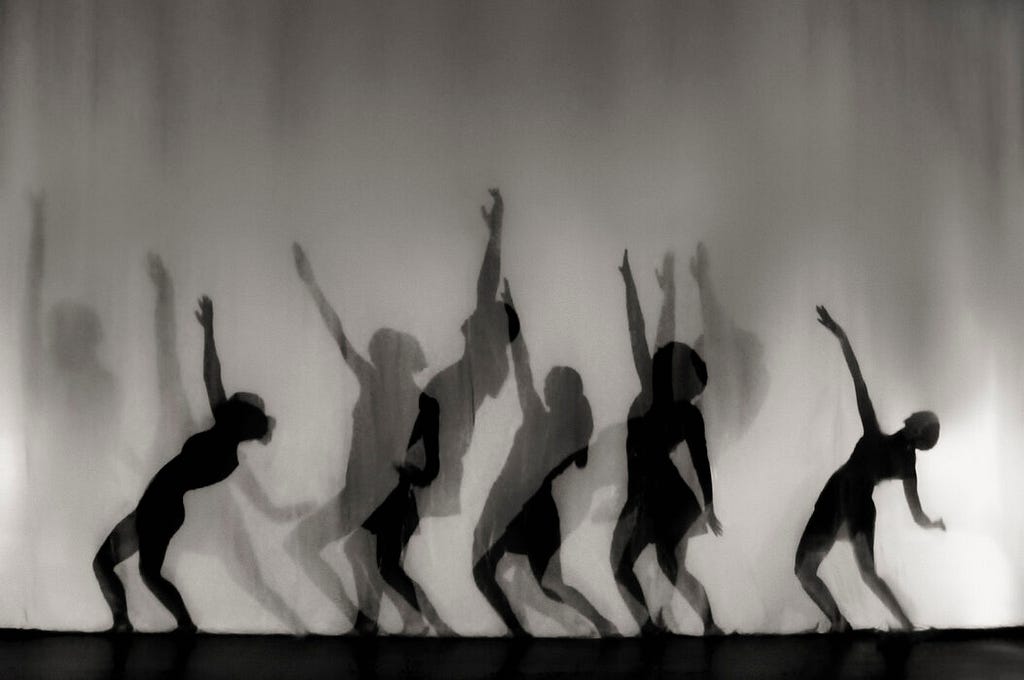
x,y
679,373
75,334
488,332
392,350
922,430
244,416
563,389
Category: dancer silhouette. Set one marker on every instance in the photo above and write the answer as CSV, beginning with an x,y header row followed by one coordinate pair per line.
x,y
846,503
383,415
75,465
660,508
206,458
224,535
550,439
442,432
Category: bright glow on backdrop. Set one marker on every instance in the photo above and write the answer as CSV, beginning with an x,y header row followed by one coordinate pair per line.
x,y
863,157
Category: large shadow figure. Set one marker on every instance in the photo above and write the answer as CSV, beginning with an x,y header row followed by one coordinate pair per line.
x,y
73,414
224,535
550,439
734,356
660,508
383,416
442,433
206,458
846,504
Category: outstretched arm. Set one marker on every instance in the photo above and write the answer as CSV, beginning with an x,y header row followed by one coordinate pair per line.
x,y
425,430
355,360
490,270
667,281
914,503
256,494
528,397
637,333
864,407
211,362
174,404
33,332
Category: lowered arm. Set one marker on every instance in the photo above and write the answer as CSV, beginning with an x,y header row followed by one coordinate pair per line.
x,y
914,503
528,398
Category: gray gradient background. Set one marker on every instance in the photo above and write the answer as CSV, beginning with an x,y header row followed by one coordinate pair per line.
x,y
864,156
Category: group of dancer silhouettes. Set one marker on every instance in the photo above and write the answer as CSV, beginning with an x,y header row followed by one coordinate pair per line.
x,y
406,457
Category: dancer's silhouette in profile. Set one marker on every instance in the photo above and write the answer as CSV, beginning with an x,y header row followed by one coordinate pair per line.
x,y
550,439
442,432
846,503
206,458
660,508
383,416
224,535
73,439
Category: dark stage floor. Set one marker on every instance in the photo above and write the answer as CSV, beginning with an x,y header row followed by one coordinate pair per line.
x,y
946,654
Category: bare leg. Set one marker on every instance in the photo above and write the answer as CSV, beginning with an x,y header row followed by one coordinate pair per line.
x,y
555,587
865,554
687,584
152,550
806,569
122,543
244,569
628,542
307,541
484,573
369,587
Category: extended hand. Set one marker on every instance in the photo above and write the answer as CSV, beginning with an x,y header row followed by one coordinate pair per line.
x,y
157,271
936,524
826,320
493,216
712,520
302,263
205,312
624,267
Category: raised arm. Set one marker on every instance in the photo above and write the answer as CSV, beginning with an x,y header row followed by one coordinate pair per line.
x,y
667,281
864,407
211,362
33,332
490,270
529,399
697,442
425,431
354,359
637,332
914,503
711,315
174,412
